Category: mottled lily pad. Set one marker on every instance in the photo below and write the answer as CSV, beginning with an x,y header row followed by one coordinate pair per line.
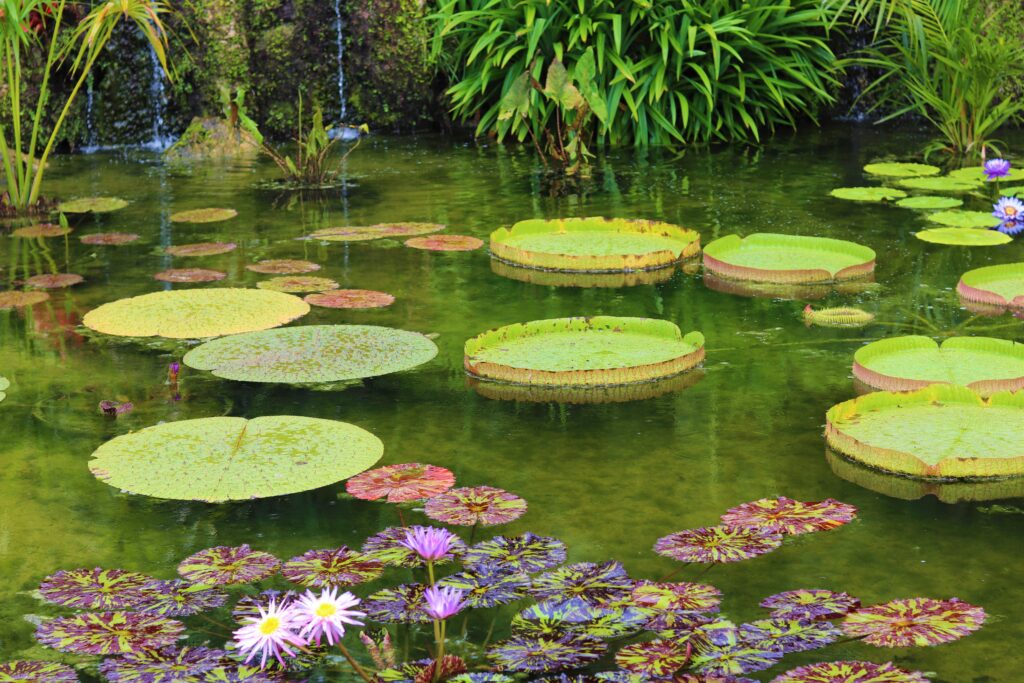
x,y
402,604
842,316
445,243
298,284
963,237
195,313
109,238
941,431
930,202
190,275
594,585
940,184
55,281
203,215
656,658
733,659
313,354
350,298
94,589
868,194
789,635
201,249
226,565
93,205
488,585
401,483
851,672
468,506
901,170
283,267
914,622
216,459
41,230
810,603
22,299
37,672
109,633
718,544
389,547
996,285
178,598
545,653
170,665
528,553
374,232
964,219
331,568
784,515
788,259
677,597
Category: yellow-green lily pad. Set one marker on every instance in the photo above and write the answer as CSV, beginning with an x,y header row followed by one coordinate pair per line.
x,y
868,194
902,170
976,174
940,184
1017,191
93,205
203,215
930,202
5,384
964,237
964,219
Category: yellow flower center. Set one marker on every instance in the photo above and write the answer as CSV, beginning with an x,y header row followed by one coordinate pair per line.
x,y
1010,211
326,609
270,625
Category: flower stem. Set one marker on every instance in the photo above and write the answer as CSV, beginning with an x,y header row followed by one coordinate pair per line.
x,y
675,571
430,571
439,635
355,665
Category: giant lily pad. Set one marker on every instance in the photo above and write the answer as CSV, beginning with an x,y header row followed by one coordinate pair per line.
x,y
54,281
914,622
374,232
901,170
940,184
203,215
190,275
996,285
583,395
93,205
784,515
939,431
36,672
963,237
468,506
22,299
964,219
109,633
94,589
109,238
594,244
930,202
195,313
217,459
226,565
350,298
718,544
298,284
984,364
851,672
596,351
868,194
201,249
312,353
788,259
401,483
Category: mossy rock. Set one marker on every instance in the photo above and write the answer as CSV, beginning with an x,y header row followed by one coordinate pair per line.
x,y
212,138
788,259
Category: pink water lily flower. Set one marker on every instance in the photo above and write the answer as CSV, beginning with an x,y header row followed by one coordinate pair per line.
x,y
443,602
430,543
270,634
326,615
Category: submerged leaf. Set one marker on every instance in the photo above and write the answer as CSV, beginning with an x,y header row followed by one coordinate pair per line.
x,y
721,543
810,603
350,298
22,299
95,589
914,622
528,553
331,568
225,565
401,483
468,506
787,516
850,672
109,633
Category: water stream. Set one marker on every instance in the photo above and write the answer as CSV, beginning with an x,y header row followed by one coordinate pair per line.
x,y
340,29
161,139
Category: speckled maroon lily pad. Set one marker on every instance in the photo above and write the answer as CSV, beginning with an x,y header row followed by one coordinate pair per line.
x,y
488,586
41,230
467,506
789,635
717,544
203,215
201,249
850,672
109,238
37,672
94,589
527,553
109,633
655,658
55,281
350,298
177,598
22,299
402,604
677,597
914,622
401,482
298,283
387,547
283,267
545,653
787,516
594,584
189,275
331,568
225,565
445,243
810,603
169,665
732,659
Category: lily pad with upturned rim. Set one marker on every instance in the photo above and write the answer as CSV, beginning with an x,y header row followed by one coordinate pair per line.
x,y
929,202
996,285
598,351
93,205
108,238
41,230
312,354
445,243
216,459
189,275
203,215
22,299
201,249
55,281
298,284
901,169
963,237
965,219
350,298
283,267
790,259
941,431
868,194
984,364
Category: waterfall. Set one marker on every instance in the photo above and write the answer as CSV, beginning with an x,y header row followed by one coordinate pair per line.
x,y
90,145
158,95
339,27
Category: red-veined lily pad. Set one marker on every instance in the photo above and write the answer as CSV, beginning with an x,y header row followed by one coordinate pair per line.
x,y
387,546
190,275
914,622
810,603
170,665
868,194
654,658
313,354
788,259
94,589
963,237
677,597
964,219
195,313
901,169
488,585
401,483
331,568
22,299
851,672
178,598
217,459
283,267
350,298
93,205
789,635
787,516
55,281
109,238
374,232
732,659
109,633
445,243
297,284
721,543
226,565
203,215
842,316
41,230
545,653
528,553
37,672
595,585
467,506
930,202
996,285
201,249
402,604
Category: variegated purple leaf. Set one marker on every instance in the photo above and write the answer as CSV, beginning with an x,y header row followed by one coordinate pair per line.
x,y
527,553
331,568
469,506
717,544
94,589
732,660
545,653
165,666
37,672
788,635
677,597
916,621
810,603
109,633
654,658
401,604
787,516
594,584
850,672
179,598
485,586
225,565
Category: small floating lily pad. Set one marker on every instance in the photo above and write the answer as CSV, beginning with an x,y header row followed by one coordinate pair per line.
x,y
195,313
445,243
298,284
350,298
921,622
313,354
54,281
788,259
941,431
976,174
203,215
22,299
283,267
109,238
93,205
940,184
984,364
843,316
964,219
375,232
189,275
963,237
868,194
996,285
5,384
217,459
901,170
201,249
41,230
594,245
1017,191
597,351
930,202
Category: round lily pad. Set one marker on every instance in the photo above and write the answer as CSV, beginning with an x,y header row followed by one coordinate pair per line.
x,y
868,194
901,170
5,384
963,237
190,275
93,205
350,298
976,174
996,285
55,281
226,565
964,219
445,243
313,353
37,672
939,184
94,589
721,543
201,249
810,604
331,568
195,313
1017,191
22,299
596,351
930,202
921,622
203,215
376,232
843,316
786,516
298,284
594,245
788,259
109,238
283,267
217,459
41,230
941,431
851,672
469,506
109,633
984,364
401,483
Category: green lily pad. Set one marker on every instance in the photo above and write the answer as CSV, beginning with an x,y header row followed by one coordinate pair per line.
x,y
964,237
598,351
996,285
203,215
965,219
902,170
217,459
93,205
841,316
976,174
930,202
1017,191
984,364
940,184
790,259
375,232
868,194
196,313
941,431
5,384
313,353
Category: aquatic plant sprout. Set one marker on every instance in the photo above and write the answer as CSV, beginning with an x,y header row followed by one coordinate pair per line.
x,y
996,168
325,615
271,634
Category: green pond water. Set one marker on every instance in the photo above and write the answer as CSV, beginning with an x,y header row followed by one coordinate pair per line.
x,y
608,479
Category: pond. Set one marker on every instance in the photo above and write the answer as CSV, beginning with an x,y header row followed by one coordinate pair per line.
x,y
608,479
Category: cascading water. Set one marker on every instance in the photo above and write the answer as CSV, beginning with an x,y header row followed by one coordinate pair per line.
x,y
90,122
340,29
158,95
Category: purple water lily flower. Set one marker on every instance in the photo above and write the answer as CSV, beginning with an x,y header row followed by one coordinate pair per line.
x,y
443,602
996,168
430,543
172,372
1008,209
